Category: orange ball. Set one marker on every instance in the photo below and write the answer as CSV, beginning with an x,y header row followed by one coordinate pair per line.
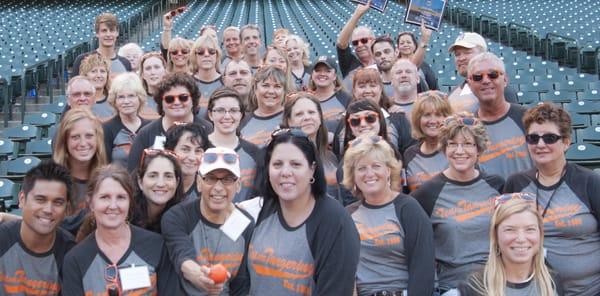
x,y
218,273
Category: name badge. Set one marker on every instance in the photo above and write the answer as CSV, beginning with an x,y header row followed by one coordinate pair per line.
x,y
134,277
235,224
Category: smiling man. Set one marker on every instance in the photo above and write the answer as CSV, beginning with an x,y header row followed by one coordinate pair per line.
x,y
251,44
506,152
32,249
361,37
385,58
107,32
405,79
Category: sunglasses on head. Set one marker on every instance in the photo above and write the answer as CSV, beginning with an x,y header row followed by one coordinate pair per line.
x,y
533,139
361,40
374,139
293,131
212,157
154,152
528,197
201,51
466,121
369,118
179,51
492,75
171,99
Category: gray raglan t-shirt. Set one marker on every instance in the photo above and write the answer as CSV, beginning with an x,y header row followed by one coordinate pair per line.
x,y
421,167
257,129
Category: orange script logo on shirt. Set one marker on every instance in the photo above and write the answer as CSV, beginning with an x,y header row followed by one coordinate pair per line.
x,y
381,235
466,210
508,148
292,273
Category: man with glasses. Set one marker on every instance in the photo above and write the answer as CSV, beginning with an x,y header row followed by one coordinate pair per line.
x,y
205,232
32,249
177,99
80,93
507,151
107,31
361,37
467,46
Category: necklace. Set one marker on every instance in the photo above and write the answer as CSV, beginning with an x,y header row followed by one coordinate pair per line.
x,y
537,190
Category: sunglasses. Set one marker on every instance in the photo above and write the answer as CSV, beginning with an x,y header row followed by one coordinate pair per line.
x,y
179,51
528,197
466,121
171,99
374,139
361,40
175,12
492,75
111,277
212,157
201,51
154,152
533,139
369,118
293,131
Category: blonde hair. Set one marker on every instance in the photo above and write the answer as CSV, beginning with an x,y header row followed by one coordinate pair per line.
x,y
92,61
69,120
263,74
303,46
205,41
380,150
288,72
178,43
435,100
494,280
127,81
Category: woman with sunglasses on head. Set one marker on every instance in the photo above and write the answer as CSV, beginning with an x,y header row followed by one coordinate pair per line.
x,y
297,248
516,263
226,111
117,258
128,97
188,141
97,70
396,254
199,235
176,98
299,56
567,198
425,160
265,104
153,68
459,201
78,146
409,48
205,62
303,110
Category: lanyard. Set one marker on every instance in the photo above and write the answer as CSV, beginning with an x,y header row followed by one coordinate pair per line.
x,y
537,190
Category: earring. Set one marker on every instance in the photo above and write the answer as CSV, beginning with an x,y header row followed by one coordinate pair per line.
x,y
312,180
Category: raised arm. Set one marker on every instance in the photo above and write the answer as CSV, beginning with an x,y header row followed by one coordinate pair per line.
x,y
421,51
165,37
346,33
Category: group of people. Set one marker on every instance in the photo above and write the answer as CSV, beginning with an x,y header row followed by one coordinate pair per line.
x,y
301,178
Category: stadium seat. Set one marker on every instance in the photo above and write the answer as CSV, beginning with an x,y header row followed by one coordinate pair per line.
x,y
558,96
40,148
17,168
589,135
584,107
41,120
585,154
9,192
8,149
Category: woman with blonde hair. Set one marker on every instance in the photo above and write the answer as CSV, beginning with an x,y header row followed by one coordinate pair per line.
x,y
78,146
424,160
128,97
97,69
178,55
205,62
516,264
299,57
278,57
153,68
396,238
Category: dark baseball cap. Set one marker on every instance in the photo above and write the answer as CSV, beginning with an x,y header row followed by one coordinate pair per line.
x,y
328,61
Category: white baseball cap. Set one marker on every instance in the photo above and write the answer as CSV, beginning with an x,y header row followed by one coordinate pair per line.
x,y
220,158
469,40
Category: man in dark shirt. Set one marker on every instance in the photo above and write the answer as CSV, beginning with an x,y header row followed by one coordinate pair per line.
x,y
107,32
361,37
467,46
32,249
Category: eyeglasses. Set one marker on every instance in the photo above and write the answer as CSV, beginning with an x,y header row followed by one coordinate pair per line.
x,y
212,180
223,111
533,139
373,138
154,152
201,51
80,94
526,196
465,146
171,99
369,118
293,131
361,40
492,75
111,276
180,51
466,121
228,158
